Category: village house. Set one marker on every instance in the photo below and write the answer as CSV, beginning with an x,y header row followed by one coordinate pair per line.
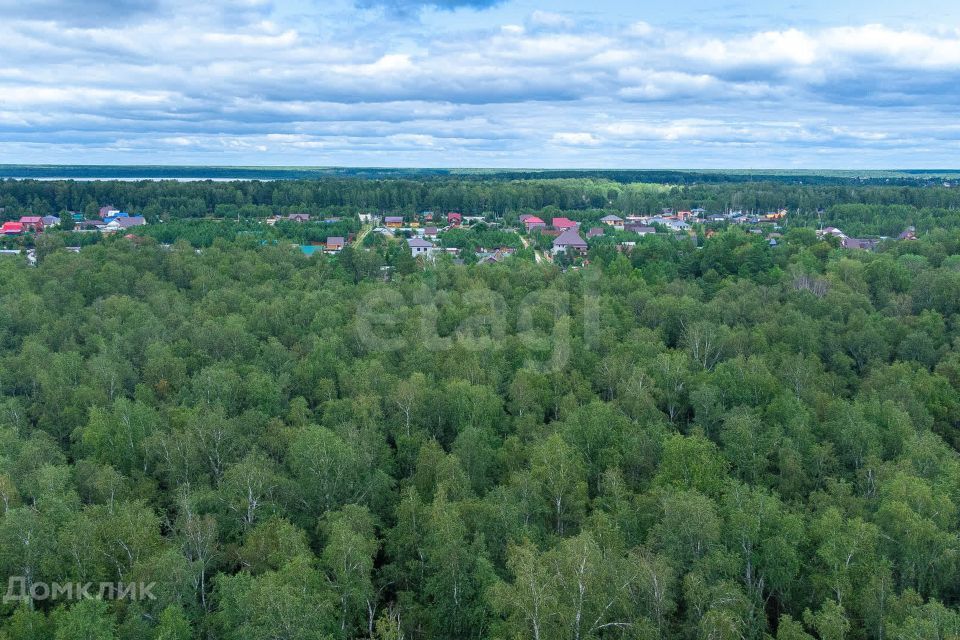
x,y
11,228
640,229
109,210
910,233
673,225
299,217
454,219
859,243
393,222
569,239
50,221
32,223
594,232
125,222
562,224
89,225
334,244
420,247
613,221
492,257
431,233
831,231
532,222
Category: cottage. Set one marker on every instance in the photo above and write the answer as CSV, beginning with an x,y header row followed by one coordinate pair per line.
x,y
50,221
569,239
831,231
420,247
533,222
859,243
673,225
640,229
125,223
108,211
11,228
910,233
594,232
562,224
393,222
32,223
334,244
431,233
454,219
613,221
115,216
89,225
299,217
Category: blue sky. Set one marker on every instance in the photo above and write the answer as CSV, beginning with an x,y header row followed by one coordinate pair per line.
x,y
482,83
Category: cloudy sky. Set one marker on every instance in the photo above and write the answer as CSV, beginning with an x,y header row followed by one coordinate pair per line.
x,y
482,83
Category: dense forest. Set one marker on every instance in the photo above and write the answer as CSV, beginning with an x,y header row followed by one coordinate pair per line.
x,y
730,441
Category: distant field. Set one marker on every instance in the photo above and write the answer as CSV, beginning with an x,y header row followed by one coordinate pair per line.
x,y
678,176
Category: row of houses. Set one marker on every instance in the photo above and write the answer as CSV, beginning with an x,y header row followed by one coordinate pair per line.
x,y
28,224
869,244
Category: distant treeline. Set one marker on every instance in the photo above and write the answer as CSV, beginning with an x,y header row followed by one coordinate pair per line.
x,y
499,196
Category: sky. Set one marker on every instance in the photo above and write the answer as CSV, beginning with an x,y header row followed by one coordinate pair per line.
x,y
482,83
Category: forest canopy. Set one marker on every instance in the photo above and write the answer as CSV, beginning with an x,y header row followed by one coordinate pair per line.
x,y
729,441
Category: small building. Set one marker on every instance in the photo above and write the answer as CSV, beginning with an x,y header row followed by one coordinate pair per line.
x,y
613,221
50,221
569,239
910,233
89,225
594,232
11,228
127,222
533,222
420,247
454,219
640,229
108,211
427,216
562,224
32,223
431,233
299,217
831,231
673,225
335,244
859,243
393,222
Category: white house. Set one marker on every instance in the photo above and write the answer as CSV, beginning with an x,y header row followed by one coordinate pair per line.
x,y
420,247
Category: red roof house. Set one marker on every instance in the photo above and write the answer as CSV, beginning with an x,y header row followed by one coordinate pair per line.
x,y
563,224
32,223
11,228
533,222
454,218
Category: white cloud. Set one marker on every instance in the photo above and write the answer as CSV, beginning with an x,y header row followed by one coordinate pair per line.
x,y
575,138
196,81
